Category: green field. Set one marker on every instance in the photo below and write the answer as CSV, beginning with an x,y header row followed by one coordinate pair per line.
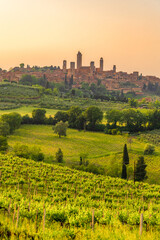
x,y
102,149
28,110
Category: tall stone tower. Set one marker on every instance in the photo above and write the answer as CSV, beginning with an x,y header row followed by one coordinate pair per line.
x,y
101,64
64,65
79,60
72,67
114,68
92,67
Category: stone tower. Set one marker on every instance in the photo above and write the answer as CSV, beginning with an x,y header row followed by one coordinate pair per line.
x,y
79,60
101,64
72,67
92,67
114,68
64,65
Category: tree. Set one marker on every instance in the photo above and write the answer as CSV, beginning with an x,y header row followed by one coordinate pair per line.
x,y
55,91
125,155
80,122
65,81
3,144
61,116
125,162
38,116
124,171
74,113
133,102
140,170
4,128
133,119
59,156
113,116
61,128
71,82
93,115
21,65
13,119
28,80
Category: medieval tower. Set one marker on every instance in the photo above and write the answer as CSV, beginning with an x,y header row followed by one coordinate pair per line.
x,y
101,64
79,60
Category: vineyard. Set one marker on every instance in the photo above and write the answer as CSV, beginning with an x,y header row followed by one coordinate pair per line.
x,y
42,201
14,95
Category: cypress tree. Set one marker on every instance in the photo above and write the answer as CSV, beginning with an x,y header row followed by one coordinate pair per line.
x,y
124,172
59,156
125,155
140,170
125,162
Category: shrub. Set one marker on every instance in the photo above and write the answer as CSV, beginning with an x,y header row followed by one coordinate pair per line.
x,y
114,131
21,150
36,154
24,151
59,156
149,149
26,119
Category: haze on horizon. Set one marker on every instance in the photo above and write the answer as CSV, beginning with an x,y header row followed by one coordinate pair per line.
x,y
45,32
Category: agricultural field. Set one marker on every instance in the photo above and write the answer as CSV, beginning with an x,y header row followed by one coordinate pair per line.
x,y
28,110
44,201
101,149
14,96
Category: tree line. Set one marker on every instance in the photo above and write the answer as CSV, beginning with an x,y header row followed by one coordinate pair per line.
x,y
90,119
76,117
133,120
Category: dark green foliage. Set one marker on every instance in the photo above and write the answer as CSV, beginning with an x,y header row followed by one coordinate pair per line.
x,y
38,116
59,156
80,163
74,113
113,116
140,170
13,119
125,155
124,171
149,149
3,144
93,115
26,119
32,80
80,122
4,128
125,162
61,116
153,119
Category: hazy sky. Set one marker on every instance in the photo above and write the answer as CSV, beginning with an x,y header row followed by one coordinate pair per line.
x,y
44,32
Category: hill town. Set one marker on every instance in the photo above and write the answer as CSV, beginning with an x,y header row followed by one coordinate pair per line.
x,y
112,79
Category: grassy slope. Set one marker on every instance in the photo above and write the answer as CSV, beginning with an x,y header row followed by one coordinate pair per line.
x,y
28,110
102,149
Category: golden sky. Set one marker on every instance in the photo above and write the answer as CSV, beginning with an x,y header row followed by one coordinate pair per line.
x,y
44,32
